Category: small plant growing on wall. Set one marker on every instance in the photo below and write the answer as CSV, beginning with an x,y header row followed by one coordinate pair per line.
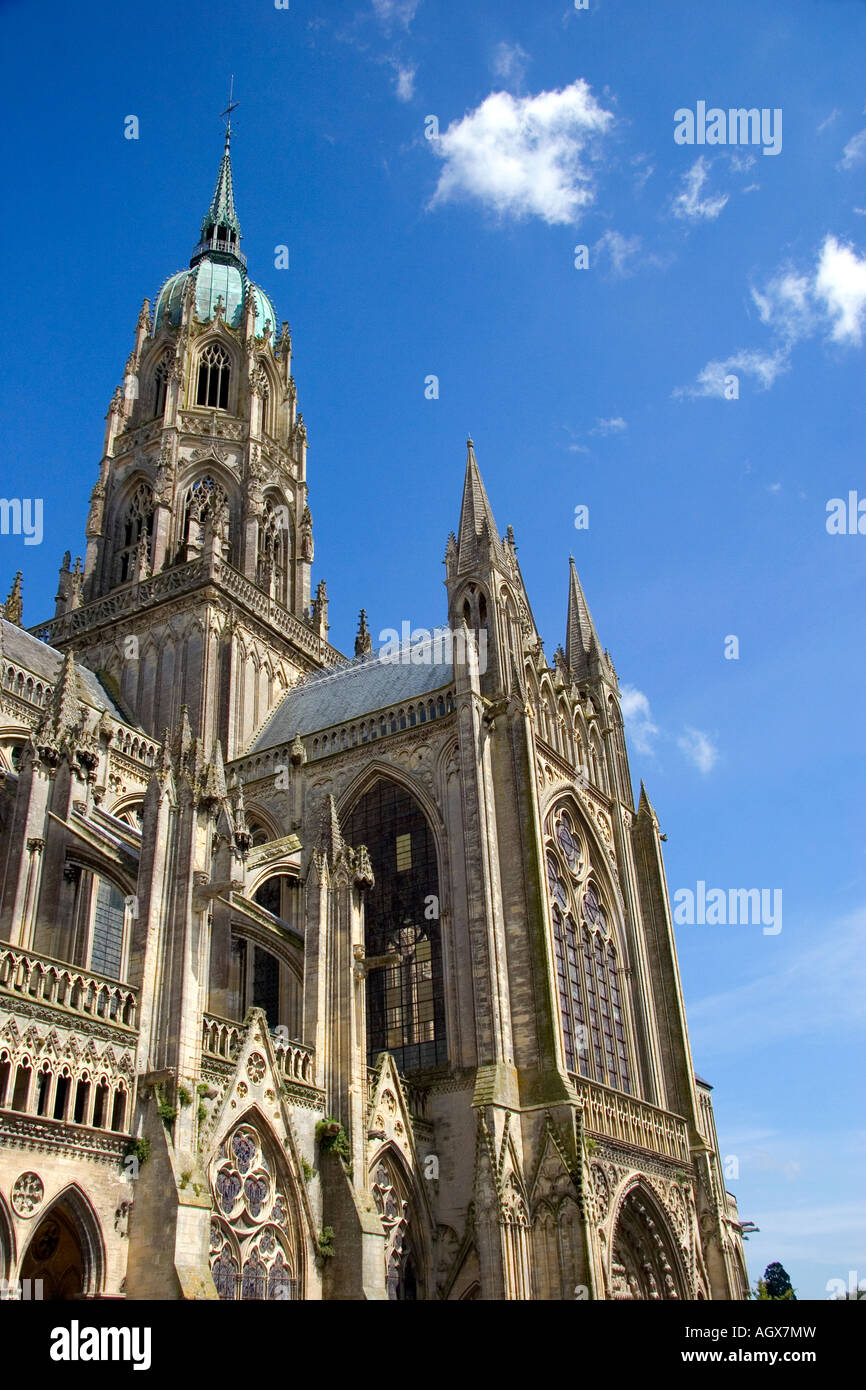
x,y
330,1135
167,1113
139,1149
325,1243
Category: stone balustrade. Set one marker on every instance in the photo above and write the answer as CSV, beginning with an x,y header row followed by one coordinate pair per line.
x,y
223,1038
26,975
612,1115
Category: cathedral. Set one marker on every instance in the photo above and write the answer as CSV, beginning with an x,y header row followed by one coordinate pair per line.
x,y
323,977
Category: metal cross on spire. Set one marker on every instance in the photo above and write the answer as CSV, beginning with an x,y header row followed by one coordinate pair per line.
x,y
232,106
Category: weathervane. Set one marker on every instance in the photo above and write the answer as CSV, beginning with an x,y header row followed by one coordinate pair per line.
x,y
227,114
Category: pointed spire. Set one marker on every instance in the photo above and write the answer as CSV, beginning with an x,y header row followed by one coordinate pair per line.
x,y
61,721
220,228
331,836
363,640
645,809
183,739
214,789
477,524
14,608
66,712
581,641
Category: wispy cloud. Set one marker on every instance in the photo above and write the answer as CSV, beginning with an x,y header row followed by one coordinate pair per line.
x,y
829,299
395,14
621,251
524,156
699,749
828,120
642,731
509,62
405,85
691,205
854,152
615,425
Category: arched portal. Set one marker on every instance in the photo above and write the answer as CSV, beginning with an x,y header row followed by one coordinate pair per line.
x,y
406,1001
644,1262
65,1251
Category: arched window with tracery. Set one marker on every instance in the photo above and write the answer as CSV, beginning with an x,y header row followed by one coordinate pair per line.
x,y
406,1001
586,962
206,507
255,1245
135,534
401,1261
214,373
273,556
160,385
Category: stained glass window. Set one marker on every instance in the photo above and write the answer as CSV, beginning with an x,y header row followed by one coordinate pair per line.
x,y
106,949
405,1001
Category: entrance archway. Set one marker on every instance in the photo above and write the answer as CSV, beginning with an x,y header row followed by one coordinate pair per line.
x,y
644,1262
64,1251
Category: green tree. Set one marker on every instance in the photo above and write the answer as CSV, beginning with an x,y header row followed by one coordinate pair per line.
x,y
776,1284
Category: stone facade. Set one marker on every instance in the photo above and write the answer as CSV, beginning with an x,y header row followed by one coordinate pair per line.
x,y
323,978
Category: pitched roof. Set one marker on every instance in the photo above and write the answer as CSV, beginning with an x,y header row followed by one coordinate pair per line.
x,y
21,648
367,684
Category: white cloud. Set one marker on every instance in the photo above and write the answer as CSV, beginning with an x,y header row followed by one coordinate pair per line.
x,y
509,62
699,749
825,124
524,156
405,83
636,715
854,152
622,250
829,299
841,284
689,205
616,425
764,367
398,13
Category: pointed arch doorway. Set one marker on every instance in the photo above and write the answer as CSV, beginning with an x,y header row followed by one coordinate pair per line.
x,y
63,1252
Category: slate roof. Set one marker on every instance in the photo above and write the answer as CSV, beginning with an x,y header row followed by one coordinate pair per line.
x,y
367,684
21,648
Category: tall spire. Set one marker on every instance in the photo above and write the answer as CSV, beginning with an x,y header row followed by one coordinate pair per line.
x,y
14,609
220,229
476,516
581,641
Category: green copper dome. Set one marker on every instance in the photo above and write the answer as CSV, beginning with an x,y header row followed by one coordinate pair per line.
x,y
217,267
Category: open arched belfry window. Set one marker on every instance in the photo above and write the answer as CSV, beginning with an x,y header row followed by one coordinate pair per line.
x,y
214,374
206,507
273,556
135,535
160,384
406,1000
587,963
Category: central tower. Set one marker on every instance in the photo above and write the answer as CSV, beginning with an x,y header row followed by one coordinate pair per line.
x,y
196,583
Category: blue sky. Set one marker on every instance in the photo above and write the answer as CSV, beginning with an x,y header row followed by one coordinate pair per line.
x,y
454,257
